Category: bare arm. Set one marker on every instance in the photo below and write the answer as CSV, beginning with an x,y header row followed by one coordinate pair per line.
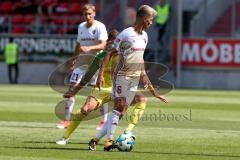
x,y
100,80
147,84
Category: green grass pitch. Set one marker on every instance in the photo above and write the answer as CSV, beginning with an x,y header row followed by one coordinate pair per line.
x,y
196,125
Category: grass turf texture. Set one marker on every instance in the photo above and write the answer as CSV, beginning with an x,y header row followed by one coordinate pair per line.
x,y
197,124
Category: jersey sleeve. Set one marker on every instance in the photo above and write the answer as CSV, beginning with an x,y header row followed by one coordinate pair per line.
x,y
117,41
78,36
102,32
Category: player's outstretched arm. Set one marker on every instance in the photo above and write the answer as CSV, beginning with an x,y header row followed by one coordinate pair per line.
x,y
155,94
100,79
147,84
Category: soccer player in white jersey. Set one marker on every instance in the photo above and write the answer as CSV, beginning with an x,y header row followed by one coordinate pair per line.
x,y
91,39
130,45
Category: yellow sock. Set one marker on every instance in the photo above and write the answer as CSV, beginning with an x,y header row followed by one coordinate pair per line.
x,y
136,115
130,127
73,124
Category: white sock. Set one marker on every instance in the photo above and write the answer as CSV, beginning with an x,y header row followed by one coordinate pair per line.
x,y
104,112
103,130
69,107
112,124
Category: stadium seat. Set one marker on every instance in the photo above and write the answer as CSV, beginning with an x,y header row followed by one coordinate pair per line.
x,y
43,18
6,7
74,20
28,19
65,13
75,8
59,19
17,19
19,29
62,31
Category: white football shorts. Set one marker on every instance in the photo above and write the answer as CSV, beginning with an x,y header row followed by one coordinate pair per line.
x,y
124,87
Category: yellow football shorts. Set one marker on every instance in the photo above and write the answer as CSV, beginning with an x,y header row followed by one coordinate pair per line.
x,y
103,96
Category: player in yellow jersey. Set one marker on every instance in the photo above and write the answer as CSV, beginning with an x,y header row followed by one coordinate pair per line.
x,y
96,99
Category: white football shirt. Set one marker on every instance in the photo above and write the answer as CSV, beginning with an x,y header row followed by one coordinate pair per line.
x,y
130,46
90,36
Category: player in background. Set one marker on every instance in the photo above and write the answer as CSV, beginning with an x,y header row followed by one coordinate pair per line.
x,y
91,39
130,45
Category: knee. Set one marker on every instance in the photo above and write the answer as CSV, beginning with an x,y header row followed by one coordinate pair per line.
x,y
72,99
84,110
89,105
120,104
144,99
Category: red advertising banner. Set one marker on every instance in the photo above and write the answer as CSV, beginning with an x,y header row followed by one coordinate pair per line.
x,y
208,53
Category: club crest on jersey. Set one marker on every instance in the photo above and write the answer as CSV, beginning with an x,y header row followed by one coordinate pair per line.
x,y
94,31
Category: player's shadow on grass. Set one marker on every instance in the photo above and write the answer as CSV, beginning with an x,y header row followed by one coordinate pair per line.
x,y
49,148
51,142
26,126
189,154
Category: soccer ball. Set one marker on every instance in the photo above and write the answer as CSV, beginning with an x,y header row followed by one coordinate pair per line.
x,y
125,142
